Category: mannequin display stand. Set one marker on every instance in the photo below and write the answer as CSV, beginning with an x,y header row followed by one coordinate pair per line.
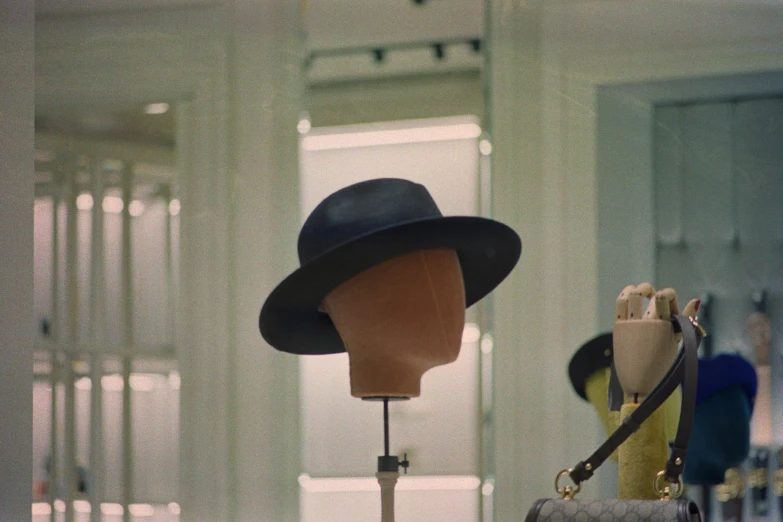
x,y
645,345
705,500
388,465
385,277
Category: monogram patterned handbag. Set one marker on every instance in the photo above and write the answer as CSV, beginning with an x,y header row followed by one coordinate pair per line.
x,y
668,483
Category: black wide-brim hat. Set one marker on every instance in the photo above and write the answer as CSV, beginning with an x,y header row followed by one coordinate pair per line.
x,y
594,355
363,225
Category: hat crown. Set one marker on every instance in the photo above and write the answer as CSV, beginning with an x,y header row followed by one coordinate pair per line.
x,y
361,209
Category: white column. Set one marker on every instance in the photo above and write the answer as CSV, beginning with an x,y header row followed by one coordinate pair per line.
x,y
266,67
71,314
17,325
97,332
547,305
54,472
127,322
237,152
517,185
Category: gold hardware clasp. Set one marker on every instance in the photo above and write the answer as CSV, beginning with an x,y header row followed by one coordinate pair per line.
x,y
566,492
669,491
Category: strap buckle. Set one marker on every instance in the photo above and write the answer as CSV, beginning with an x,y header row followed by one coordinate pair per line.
x,y
566,492
670,490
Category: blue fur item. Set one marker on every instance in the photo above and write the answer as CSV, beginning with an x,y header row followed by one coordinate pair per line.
x,y
723,371
720,436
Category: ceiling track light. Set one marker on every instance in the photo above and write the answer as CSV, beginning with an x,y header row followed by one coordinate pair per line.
x,y
379,54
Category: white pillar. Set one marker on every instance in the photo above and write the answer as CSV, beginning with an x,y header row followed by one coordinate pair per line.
x,y
239,224
517,185
128,339
266,72
97,335
71,315
54,436
548,304
17,326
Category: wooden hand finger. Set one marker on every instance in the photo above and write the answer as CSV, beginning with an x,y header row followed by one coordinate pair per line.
x,y
621,304
662,305
636,299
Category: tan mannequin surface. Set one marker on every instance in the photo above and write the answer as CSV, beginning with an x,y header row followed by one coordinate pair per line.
x,y
597,390
398,319
760,334
645,346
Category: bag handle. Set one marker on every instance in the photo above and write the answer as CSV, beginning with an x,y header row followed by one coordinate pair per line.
x,y
685,371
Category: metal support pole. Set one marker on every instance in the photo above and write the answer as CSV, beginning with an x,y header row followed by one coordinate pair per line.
x,y
54,454
387,480
53,471
387,477
705,309
388,467
97,332
385,427
69,438
72,309
169,256
127,293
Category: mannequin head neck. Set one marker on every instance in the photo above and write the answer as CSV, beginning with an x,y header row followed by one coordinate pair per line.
x,y
398,319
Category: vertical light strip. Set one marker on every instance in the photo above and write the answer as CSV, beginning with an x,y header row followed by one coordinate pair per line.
x,y
97,332
72,310
486,428
127,295
170,287
54,332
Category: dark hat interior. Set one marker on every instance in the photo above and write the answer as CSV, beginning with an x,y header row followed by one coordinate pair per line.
x,y
594,355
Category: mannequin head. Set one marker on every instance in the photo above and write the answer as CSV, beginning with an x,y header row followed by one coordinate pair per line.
x,y
398,319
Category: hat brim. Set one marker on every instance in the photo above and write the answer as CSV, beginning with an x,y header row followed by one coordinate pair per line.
x,y
594,355
290,319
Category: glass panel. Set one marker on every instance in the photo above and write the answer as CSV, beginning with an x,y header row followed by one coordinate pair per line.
x,y
65,355
734,181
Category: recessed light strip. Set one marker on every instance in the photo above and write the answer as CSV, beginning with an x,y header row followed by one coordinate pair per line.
x,y
391,137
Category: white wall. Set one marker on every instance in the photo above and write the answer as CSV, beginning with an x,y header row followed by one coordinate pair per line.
x,y
391,99
16,258
584,213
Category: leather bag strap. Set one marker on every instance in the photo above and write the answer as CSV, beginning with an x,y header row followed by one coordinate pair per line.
x,y
684,370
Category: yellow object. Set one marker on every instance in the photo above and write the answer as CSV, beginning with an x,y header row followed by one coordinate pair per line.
x,y
642,456
671,410
597,390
